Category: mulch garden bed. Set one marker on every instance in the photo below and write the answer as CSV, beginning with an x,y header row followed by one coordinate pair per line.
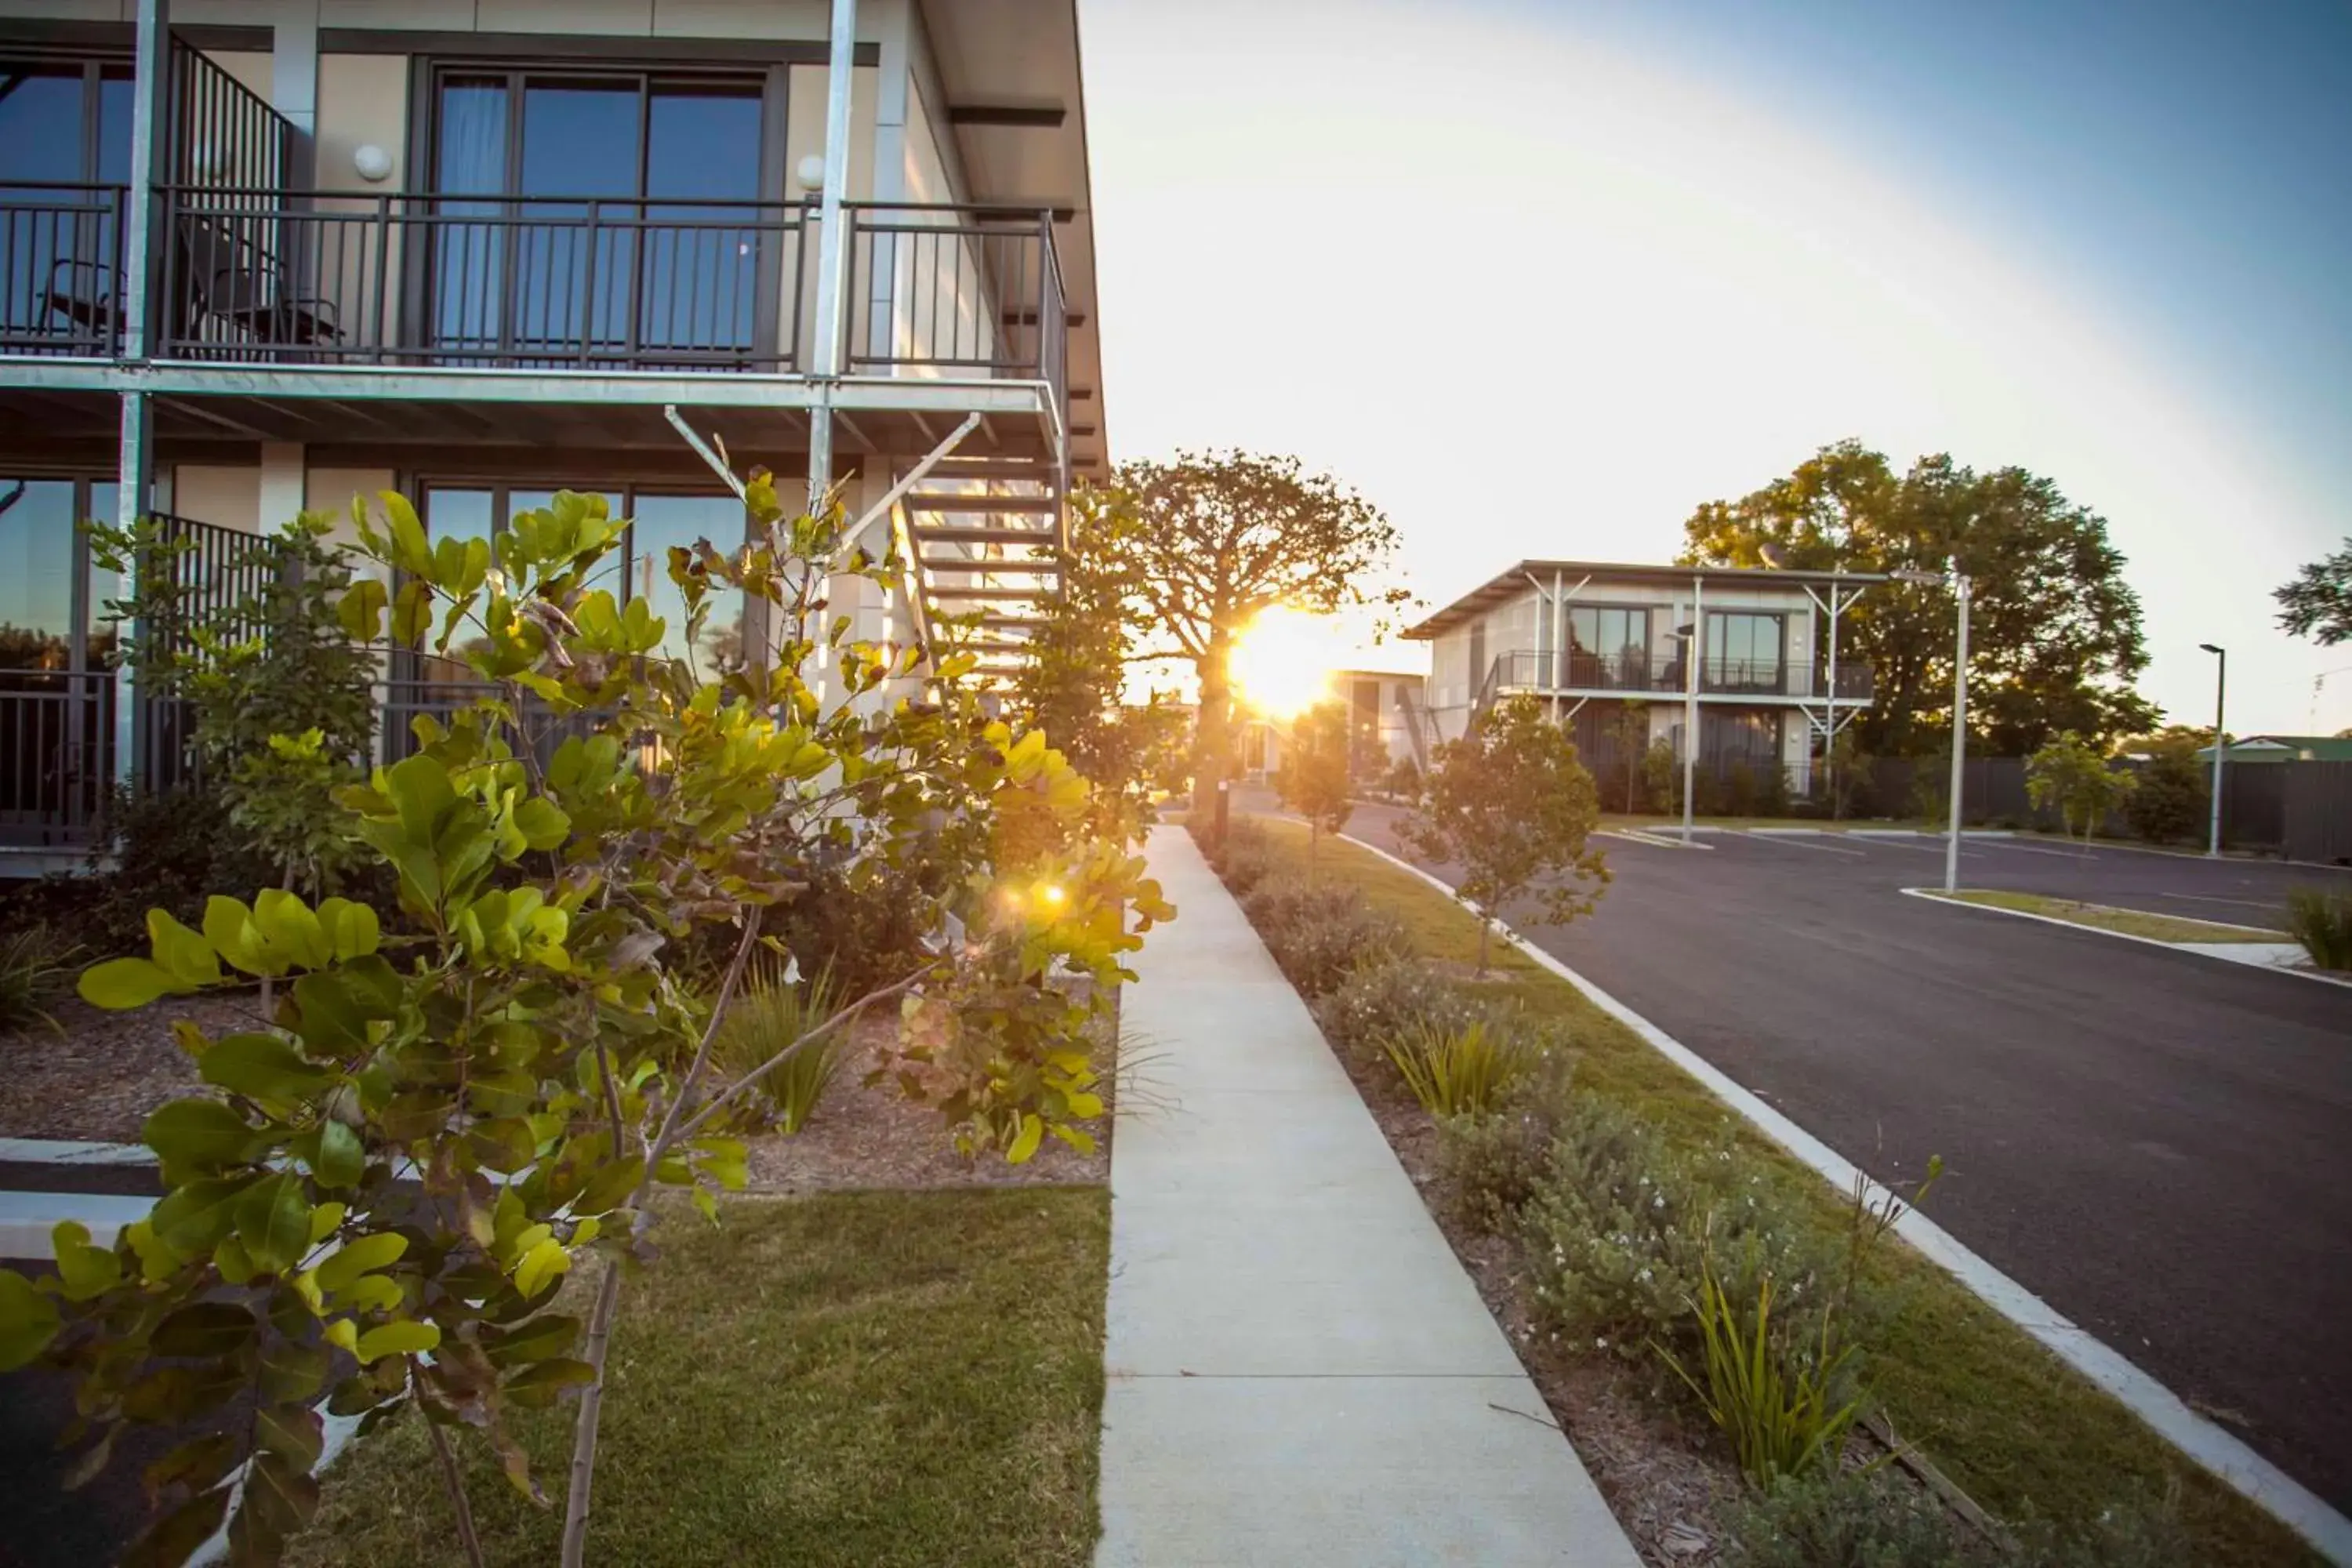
x,y
99,1075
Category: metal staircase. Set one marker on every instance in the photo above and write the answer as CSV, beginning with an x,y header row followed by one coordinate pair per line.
x,y
985,535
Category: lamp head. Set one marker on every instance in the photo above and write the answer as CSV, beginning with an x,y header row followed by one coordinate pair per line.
x,y
2208,647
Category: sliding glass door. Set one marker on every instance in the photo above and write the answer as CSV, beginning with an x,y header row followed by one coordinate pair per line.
x,y
65,149
597,219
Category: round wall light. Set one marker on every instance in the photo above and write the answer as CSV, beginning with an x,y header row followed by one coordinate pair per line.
x,y
810,170
374,163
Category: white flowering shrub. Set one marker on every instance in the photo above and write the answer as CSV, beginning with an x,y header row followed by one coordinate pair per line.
x,y
1619,1225
1318,932
1377,1001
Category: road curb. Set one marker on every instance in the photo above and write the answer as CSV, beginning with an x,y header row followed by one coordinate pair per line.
x,y
2246,1471
2193,948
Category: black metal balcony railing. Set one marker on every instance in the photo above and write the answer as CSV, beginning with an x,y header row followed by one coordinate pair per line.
x,y
1646,675
544,283
60,256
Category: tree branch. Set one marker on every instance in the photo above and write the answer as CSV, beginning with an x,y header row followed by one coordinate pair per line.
x,y
455,1483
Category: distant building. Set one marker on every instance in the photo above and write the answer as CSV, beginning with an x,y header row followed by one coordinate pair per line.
x,y
1593,640
2283,749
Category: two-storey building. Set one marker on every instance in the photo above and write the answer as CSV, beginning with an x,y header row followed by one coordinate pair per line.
x,y
1623,653
258,256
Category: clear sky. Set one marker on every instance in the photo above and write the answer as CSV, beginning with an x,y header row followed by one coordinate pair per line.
x,y
1538,279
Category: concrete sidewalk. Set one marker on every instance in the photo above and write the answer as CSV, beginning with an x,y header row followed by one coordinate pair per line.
x,y
1299,1369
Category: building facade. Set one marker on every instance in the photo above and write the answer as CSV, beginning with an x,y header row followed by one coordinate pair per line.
x,y
1607,648
258,257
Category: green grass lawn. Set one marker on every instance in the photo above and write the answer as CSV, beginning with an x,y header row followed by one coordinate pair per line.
x,y
858,1378
2017,1428
2105,916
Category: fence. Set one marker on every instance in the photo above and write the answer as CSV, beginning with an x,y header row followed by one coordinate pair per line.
x,y
2316,809
1993,794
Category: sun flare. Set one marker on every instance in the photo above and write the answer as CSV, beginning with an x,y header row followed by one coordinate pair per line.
x,y
1281,664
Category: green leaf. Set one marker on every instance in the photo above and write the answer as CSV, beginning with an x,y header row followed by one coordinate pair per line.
x,y
341,1159
361,610
121,983
197,1463
172,1539
544,1382
361,1255
29,1320
199,1134
86,1271
261,1066
292,1373
412,613
401,1338
1032,1131
353,928
273,1221
228,926
611,1186
540,1267
193,1219
549,1334
542,823
183,954
279,1498
410,552
205,1328
294,1431
292,927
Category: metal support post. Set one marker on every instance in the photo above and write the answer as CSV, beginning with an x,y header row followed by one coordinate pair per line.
x,y
135,474
1960,736
833,257
2221,741
1691,647
150,91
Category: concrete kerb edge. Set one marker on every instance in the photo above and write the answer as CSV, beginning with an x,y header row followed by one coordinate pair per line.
x,y
2247,1472
2191,950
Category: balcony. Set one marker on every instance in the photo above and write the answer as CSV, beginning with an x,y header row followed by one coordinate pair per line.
x,y
1639,675
474,316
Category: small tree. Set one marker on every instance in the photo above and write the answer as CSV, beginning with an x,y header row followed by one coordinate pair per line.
x,y
1628,732
2171,801
2070,775
1313,778
1513,808
373,1203
1662,777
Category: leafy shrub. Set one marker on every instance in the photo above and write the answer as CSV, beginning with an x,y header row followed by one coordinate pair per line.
x,y
774,1011
2132,1533
1621,1229
1495,1163
34,967
2322,921
866,929
1785,1414
2170,803
1319,933
1848,1519
1375,1001
1460,1071
1247,857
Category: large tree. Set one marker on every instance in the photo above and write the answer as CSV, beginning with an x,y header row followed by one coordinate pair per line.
x,y
2055,634
2319,604
1221,537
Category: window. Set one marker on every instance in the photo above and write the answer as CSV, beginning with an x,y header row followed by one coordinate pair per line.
x,y
63,123
610,224
1743,651
1608,647
1730,739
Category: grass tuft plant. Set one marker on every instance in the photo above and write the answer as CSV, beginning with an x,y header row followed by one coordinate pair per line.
x,y
1786,1415
775,1010
2322,921
1459,1070
34,968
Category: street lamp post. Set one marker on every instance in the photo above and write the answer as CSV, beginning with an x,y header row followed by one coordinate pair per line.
x,y
1688,637
2220,740
1959,582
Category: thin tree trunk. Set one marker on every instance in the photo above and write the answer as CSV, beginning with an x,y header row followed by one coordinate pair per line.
x,y
1486,928
1314,833
459,1503
583,1426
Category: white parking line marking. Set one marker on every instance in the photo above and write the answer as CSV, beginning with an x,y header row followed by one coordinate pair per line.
x,y
1934,849
2058,854
2210,898
1791,841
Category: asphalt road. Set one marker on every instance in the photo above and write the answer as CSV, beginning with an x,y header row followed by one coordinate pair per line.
x,y
2157,1144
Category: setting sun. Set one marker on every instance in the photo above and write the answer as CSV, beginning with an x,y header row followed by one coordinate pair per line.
x,y
1282,664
